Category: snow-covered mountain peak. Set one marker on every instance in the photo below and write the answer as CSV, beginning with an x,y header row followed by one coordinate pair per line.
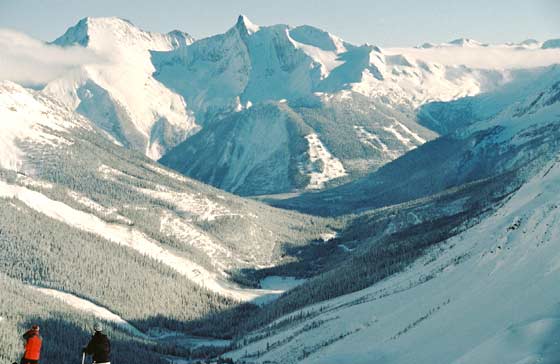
x,y
111,33
156,89
90,26
319,38
75,35
467,42
246,26
459,42
120,94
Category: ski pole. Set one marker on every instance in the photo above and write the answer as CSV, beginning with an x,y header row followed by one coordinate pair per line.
x,y
83,358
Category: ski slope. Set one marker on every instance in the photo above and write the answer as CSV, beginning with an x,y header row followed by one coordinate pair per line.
x,y
323,166
91,308
487,295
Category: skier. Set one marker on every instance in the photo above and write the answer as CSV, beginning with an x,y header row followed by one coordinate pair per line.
x,y
33,343
99,346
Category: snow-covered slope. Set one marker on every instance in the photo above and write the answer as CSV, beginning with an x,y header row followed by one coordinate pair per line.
x,y
347,95
489,281
119,93
522,133
28,117
323,167
58,164
486,295
249,64
151,92
446,117
133,239
90,307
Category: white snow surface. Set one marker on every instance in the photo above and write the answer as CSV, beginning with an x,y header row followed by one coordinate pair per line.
x,y
372,140
496,56
90,204
91,308
323,166
133,239
486,296
328,60
126,74
27,117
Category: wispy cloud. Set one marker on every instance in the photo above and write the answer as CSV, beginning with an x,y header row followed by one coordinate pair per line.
x,y
483,57
31,62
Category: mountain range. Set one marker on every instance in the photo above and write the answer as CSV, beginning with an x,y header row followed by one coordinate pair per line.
x,y
275,194
333,111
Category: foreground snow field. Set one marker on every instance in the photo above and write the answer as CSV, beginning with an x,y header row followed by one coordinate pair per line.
x,y
487,295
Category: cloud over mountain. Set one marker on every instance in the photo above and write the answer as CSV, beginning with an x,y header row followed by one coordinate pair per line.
x,y
32,62
483,57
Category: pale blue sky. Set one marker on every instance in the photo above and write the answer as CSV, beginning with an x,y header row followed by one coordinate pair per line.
x,y
385,23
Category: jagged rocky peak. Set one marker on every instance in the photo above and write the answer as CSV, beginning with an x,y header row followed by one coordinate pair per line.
x,y
76,35
246,26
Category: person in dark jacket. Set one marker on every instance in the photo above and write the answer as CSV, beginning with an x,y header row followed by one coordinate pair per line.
x,y
33,343
99,346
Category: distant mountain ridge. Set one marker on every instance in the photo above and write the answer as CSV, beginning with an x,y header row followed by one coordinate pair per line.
x,y
263,110
356,103
499,132
120,94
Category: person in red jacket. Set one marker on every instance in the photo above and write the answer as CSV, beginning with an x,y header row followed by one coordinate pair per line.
x,y
33,343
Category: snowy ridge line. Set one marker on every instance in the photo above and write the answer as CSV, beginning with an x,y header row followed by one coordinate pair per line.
x,y
84,305
132,239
